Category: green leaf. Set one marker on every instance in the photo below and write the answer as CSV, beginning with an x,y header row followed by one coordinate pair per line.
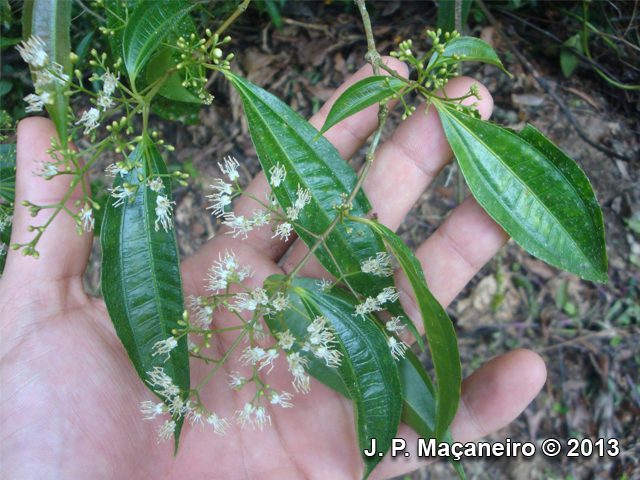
x,y
359,96
569,61
475,50
172,89
447,14
83,47
368,371
8,172
148,26
282,137
51,21
174,110
141,281
274,13
8,42
437,326
533,190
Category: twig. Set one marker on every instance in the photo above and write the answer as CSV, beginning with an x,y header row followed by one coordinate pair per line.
x,y
310,26
91,12
239,11
543,84
603,333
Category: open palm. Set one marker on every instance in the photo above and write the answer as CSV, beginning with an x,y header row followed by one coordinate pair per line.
x,y
70,397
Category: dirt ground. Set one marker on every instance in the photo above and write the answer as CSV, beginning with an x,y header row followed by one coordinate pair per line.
x,y
588,334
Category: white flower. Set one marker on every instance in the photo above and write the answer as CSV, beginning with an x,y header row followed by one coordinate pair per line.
x,y
286,340
329,355
151,409
43,79
379,265
244,301
296,367
159,378
155,185
236,381
90,119
325,285
226,270
369,305
397,347
113,170
281,302
239,225
283,231
220,201
251,355
260,296
258,332
268,359
281,399
86,216
104,101
110,82
260,218
292,213
164,346
165,431
223,187
389,294
36,102
32,52
230,168
304,198
261,417
47,170
219,424
163,212
278,174
5,221
393,325
60,76
195,415
177,405
121,193
244,415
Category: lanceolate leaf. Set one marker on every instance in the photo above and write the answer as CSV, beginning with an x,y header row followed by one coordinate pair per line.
x,y
368,371
359,96
141,281
447,14
172,89
438,328
533,190
148,26
419,405
475,50
51,20
8,172
282,137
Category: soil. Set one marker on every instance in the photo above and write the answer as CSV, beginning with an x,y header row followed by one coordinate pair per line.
x,y
588,334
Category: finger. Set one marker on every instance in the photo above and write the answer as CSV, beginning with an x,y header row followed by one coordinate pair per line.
x,y
348,136
450,257
63,253
492,397
406,164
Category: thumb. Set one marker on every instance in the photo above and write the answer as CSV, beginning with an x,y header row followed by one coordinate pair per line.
x,y
62,253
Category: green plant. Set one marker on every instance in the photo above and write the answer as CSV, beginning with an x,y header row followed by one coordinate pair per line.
x,y
329,329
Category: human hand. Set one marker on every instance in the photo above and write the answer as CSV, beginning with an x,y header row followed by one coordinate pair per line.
x,y
70,405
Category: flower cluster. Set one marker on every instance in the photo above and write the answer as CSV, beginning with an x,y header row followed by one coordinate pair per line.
x,y
319,340
163,212
175,406
379,265
371,304
304,198
46,74
225,271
